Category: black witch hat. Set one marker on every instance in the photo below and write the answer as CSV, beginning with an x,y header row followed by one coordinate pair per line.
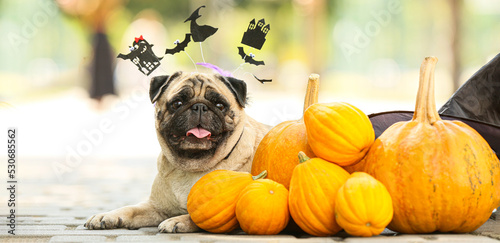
x,y
476,103
479,97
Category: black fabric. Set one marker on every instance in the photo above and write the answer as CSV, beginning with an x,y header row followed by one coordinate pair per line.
x,y
102,67
479,97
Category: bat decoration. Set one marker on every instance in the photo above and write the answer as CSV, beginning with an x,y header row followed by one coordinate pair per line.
x,y
262,80
142,56
179,45
255,36
249,58
199,33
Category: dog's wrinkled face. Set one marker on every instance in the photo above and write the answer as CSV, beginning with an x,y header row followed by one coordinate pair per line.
x,y
197,117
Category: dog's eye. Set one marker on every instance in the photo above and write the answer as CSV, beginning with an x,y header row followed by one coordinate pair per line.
x,y
220,106
177,104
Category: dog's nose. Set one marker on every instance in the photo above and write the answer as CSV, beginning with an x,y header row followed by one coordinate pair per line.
x,y
199,107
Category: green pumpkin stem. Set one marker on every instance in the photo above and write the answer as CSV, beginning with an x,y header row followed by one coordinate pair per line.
x,y
303,157
262,175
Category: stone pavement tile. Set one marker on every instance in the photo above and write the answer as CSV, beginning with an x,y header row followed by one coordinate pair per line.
x,y
77,212
37,220
233,238
20,229
458,238
17,239
141,231
299,240
78,232
150,230
490,229
383,239
39,211
339,237
462,238
150,238
110,232
78,238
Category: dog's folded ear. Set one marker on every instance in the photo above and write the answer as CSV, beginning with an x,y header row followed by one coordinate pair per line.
x,y
159,84
238,88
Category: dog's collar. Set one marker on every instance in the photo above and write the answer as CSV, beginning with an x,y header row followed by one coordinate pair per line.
x,y
230,152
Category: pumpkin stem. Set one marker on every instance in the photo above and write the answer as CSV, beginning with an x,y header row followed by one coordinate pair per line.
x,y
303,157
262,174
312,91
425,107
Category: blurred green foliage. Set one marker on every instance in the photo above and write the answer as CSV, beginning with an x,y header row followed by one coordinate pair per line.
x,y
323,36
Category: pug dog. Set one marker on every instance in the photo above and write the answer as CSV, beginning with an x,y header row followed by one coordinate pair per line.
x,y
201,126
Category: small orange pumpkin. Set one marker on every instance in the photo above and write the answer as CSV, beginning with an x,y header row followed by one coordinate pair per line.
x,y
363,206
262,208
212,200
313,188
338,132
442,175
277,152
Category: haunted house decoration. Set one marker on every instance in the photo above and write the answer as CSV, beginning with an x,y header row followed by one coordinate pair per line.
x,y
255,36
142,56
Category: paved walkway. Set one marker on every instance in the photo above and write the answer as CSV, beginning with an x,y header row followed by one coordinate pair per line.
x,y
54,210
58,189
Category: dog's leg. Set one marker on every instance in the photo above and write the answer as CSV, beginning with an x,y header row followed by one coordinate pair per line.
x,y
131,217
178,224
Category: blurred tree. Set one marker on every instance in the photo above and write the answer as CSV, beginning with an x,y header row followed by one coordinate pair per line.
x,y
172,10
455,36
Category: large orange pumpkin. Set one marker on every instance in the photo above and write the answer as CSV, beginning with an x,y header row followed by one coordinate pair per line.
x,y
313,188
338,132
262,208
442,175
277,152
363,206
212,200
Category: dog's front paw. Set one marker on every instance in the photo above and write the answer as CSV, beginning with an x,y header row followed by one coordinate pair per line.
x,y
179,224
108,220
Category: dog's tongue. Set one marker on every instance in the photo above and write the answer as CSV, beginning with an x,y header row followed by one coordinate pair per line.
x,y
198,132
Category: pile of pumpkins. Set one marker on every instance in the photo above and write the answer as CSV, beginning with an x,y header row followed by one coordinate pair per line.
x,y
419,176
